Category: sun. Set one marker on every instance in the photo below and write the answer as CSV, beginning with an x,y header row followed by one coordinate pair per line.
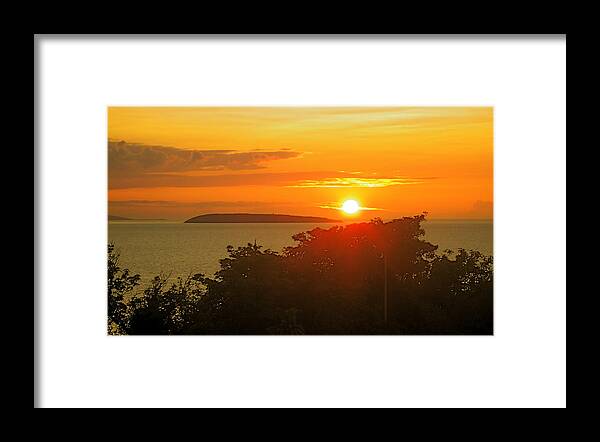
x,y
350,207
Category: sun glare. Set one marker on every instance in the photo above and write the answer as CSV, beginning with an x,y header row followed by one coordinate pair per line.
x,y
350,207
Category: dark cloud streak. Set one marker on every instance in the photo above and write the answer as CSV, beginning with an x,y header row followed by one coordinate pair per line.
x,y
184,204
252,179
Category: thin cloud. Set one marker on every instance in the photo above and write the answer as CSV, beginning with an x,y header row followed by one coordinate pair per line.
x,y
338,207
225,180
170,209
186,204
285,179
356,182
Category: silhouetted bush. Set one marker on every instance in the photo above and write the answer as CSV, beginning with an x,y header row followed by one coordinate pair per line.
x,y
120,284
364,278
166,309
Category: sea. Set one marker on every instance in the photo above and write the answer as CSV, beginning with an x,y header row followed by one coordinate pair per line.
x,y
177,249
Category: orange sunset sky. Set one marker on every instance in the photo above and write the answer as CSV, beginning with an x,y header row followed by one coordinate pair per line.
x,y
180,162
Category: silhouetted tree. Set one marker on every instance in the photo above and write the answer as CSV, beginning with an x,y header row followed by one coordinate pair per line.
x,y
333,281
166,310
120,283
250,293
339,272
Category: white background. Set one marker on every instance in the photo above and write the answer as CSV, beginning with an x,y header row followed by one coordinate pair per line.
x,y
523,365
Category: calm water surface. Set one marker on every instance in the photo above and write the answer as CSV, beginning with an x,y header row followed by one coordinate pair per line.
x,y
153,247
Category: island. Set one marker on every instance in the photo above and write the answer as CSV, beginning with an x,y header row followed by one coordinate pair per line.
x,y
257,218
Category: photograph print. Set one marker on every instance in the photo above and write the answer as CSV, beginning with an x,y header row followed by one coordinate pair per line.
x,y
300,221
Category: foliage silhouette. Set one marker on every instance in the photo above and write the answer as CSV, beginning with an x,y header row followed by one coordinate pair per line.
x,y
333,281
120,283
166,310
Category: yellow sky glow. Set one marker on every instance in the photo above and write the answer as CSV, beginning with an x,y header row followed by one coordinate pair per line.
x,y
180,162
